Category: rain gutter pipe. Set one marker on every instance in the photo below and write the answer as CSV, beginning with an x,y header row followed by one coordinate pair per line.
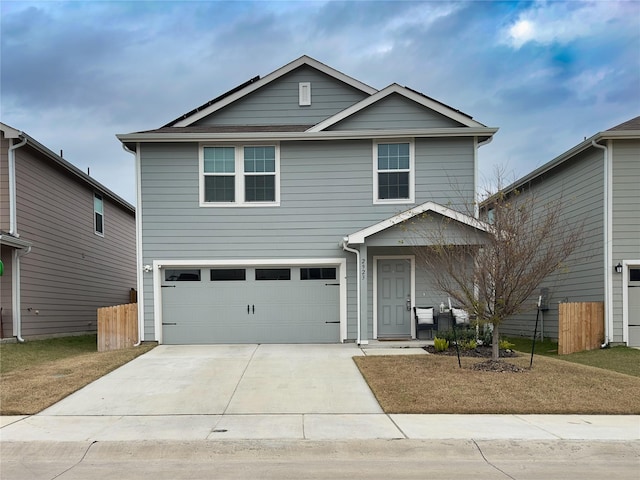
x,y
357,252
13,230
608,294
139,279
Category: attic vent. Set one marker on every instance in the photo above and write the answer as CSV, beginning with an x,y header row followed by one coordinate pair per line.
x,y
304,90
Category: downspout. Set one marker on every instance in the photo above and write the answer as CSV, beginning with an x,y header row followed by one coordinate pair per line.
x,y
13,230
608,293
139,278
357,252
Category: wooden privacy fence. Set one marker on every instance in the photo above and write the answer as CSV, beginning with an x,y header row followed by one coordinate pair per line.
x,y
580,327
117,327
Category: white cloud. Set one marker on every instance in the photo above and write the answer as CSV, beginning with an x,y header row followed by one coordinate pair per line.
x,y
561,22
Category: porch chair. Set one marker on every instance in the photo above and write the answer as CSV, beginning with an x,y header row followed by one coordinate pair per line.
x,y
425,320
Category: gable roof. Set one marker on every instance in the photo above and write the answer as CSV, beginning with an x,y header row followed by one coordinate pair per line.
x,y
11,132
413,95
257,82
360,236
628,130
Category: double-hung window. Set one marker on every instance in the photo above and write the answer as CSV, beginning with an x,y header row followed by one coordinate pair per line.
x,y
240,175
98,214
393,172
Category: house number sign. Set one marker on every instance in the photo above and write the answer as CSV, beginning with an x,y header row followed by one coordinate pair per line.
x,y
363,268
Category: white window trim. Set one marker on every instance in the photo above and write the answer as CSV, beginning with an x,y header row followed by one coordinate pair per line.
x,y
239,176
95,227
412,169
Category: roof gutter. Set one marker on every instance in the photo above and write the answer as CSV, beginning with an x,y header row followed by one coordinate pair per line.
x,y
608,253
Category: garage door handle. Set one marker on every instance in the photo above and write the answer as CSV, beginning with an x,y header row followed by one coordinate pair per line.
x,y
253,309
330,284
333,322
169,323
168,286
248,310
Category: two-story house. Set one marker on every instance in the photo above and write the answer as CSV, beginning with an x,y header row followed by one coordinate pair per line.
x,y
276,212
596,183
67,243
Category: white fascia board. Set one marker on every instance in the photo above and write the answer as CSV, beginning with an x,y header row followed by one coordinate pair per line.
x,y
10,132
295,136
304,60
359,237
405,92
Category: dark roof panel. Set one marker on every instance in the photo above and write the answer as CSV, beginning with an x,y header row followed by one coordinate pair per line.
x,y
633,124
230,129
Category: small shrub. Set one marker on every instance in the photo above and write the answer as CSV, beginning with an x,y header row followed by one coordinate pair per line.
x,y
440,344
468,344
505,345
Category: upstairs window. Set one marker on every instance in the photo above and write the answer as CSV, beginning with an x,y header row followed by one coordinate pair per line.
x,y
98,214
393,172
240,175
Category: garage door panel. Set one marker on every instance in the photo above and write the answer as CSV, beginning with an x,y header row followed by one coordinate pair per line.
x,y
251,311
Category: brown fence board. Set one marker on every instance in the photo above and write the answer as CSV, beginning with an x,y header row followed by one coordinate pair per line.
x,y
580,327
117,327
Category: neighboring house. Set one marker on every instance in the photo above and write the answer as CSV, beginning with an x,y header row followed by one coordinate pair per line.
x,y
597,184
271,214
67,242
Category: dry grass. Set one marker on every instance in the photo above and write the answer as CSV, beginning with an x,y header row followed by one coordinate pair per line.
x,y
435,384
37,385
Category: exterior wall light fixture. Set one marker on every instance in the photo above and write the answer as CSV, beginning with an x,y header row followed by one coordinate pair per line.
x,y
618,268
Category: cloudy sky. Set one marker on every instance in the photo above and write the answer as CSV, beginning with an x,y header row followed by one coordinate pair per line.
x,y
546,73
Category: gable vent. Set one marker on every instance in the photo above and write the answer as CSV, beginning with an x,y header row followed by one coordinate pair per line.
x,y
304,90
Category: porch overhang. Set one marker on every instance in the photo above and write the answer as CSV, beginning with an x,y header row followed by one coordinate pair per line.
x,y
14,242
360,237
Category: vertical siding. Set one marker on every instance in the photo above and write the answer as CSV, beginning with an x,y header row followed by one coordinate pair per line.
x,y
626,218
395,111
4,183
326,193
277,102
579,184
70,271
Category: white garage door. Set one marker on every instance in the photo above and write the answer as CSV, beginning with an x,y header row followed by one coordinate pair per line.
x,y
251,305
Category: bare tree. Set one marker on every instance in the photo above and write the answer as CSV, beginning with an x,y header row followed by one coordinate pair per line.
x,y
491,274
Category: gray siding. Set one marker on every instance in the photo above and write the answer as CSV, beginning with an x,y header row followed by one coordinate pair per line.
x,y
277,102
626,217
579,184
326,193
395,111
70,271
5,291
4,183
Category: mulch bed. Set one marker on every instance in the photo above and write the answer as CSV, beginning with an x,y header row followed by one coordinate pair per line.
x,y
489,365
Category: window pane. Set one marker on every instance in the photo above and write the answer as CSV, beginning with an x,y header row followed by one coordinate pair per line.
x,y
259,188
98,223
393,185
228,274
178,275
317,274
393,156
273,274
259,159
219,160
219,189
97,203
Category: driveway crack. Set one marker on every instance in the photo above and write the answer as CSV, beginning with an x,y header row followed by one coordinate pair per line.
x,y
489,463
78,462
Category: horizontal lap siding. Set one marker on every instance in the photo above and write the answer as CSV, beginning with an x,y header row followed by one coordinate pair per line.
x,y
579,185
394,111
626,217
70,271
6,254
4,183
277,102
326,193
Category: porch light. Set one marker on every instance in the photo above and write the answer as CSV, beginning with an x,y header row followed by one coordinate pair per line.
x,y
618,268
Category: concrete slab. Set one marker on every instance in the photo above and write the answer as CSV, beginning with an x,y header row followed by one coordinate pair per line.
x,y
234,427
285,379
9,419
165,428
341,427
53,428
469,426
394,351
587,427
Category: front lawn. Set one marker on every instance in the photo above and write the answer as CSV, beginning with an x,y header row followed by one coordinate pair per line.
x,y
435,384
38,373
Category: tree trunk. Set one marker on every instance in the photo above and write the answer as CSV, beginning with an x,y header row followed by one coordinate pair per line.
x,y
495,343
